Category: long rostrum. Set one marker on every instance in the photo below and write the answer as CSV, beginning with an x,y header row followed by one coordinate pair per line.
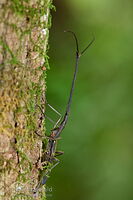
x,y
72,90
64,121
65,118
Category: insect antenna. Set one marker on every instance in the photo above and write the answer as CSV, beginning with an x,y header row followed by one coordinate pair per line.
x,y
82,52
76,40
78,54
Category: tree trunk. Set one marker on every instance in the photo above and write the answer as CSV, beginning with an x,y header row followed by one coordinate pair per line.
x,y
24,35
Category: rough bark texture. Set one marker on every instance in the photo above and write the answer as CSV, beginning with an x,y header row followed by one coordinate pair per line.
x,y
24,34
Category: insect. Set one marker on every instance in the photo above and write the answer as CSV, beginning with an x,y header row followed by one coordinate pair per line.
x,y
51,153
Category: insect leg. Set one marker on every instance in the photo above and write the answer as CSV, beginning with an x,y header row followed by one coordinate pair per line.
x,y
56,113
58,153
45,177
45,116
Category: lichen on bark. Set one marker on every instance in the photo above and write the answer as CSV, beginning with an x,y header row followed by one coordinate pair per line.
x,y
24,31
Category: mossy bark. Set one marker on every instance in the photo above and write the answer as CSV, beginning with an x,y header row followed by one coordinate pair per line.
x,y
24,30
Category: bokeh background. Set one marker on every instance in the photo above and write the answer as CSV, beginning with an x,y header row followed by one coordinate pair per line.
x,y
98,139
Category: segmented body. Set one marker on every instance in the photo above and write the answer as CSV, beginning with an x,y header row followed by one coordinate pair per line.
x,y
50,156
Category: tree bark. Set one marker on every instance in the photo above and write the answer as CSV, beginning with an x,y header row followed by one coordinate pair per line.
x,y
24,31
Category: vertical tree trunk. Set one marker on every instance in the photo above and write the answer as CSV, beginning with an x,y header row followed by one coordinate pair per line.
x,y
24,34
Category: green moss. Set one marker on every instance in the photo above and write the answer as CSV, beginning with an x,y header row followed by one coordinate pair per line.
x,y
13,60
1,163
22,196
18,6
26,92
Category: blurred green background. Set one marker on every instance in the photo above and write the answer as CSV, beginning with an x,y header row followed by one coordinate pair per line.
x,y
98,139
